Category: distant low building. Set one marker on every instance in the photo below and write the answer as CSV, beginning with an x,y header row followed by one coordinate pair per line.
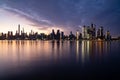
x,y
108,36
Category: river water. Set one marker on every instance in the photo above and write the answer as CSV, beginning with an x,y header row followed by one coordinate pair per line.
x,y
27,59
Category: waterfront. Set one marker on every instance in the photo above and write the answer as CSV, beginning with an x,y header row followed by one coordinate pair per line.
x,y
27,59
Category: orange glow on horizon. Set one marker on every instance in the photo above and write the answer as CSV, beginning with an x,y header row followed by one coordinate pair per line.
x,y
9,22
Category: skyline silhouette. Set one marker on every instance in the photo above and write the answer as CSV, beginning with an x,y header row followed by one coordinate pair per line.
x,y
84,33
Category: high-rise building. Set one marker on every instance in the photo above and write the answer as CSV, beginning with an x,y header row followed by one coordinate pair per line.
x,y
108,36
92,31
22,34
92,25
101,32
23,30
84,32
71,36
77,35
98,33
58,35
31,32
88,34
19,29
62,35
53,35
10,35
80,36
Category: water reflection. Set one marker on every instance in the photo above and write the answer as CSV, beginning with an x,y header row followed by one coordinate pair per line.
x,y
77,50
107,46
85,48
17,52
90,50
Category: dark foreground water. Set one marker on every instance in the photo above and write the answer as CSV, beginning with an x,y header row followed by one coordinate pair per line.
x,y
25,60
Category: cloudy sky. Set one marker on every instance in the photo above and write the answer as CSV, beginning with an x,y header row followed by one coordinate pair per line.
x,y
66,15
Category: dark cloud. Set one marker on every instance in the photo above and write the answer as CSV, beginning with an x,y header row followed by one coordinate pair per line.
x,y
71,13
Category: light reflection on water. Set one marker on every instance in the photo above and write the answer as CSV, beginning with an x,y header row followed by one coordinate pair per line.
x,y
29,50
17,53
91,49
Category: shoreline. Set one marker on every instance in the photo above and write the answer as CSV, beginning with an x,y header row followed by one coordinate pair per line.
x,y
57,40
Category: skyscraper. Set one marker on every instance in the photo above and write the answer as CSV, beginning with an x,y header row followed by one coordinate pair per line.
x,y
77,35
19,29
62,35
71,36
53,35
108,36
23,30
31,32
93,31
98,33
10,35
58,35
84,32
88,34
101,32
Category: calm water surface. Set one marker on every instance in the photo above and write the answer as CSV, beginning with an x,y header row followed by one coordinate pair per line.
x,y
57,60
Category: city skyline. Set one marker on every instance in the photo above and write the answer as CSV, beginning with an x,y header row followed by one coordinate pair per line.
x,y
66,15
90,32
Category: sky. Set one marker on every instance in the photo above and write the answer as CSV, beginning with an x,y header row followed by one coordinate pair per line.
x,y
66,15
